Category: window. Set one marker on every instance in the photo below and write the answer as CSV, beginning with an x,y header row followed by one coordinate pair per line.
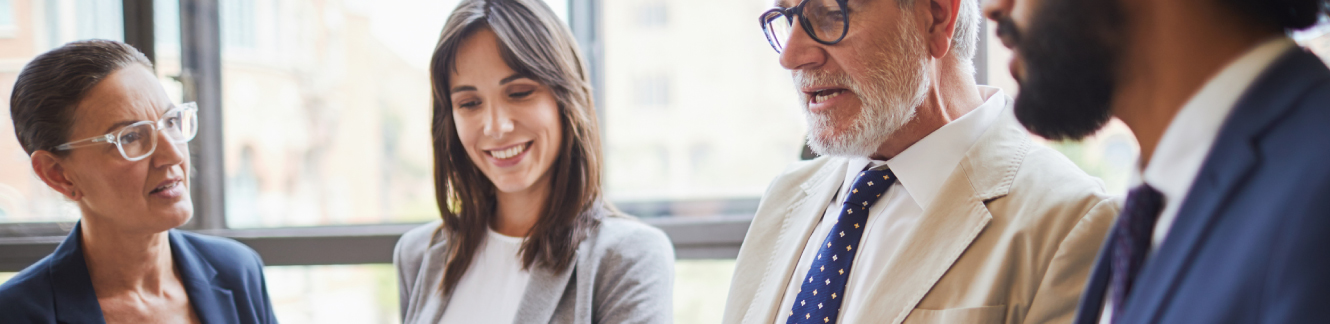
x,y
699,117
318,102
7,25
29,28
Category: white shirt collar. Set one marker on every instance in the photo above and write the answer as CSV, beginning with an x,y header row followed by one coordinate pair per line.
x,y
1187,140
924,166
1192,132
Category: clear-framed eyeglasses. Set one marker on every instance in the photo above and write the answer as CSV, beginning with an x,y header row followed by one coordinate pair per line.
x,y
826,21
139,140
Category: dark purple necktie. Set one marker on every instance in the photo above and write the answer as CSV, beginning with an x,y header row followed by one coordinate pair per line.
x,y
1131,241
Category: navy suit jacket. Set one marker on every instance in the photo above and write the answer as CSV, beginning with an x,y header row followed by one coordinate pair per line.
x,y
223,278
1251,243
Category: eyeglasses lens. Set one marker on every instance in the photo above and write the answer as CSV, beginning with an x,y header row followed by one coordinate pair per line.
x,y
137,141
777,29
181,125
826,18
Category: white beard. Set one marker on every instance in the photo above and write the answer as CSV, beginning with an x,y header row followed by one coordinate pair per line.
x,y
892,94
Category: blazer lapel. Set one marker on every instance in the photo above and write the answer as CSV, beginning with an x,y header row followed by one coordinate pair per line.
x,y
212,302
942,235
545,290
952,222
1092,298
796,225
75,299
1228,165
428,282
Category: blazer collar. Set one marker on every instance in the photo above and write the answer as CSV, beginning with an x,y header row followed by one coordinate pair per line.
x,y
547,287
950,224
952,221
990,165
1227,166
212,302
75,299
807,206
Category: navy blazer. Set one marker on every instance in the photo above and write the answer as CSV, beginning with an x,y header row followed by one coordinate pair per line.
x,y
1251,243
223,278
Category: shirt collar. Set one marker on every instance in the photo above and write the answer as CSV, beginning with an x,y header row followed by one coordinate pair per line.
x,y
924,166
1190,135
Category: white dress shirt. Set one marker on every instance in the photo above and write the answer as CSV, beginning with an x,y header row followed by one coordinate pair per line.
x,y
920,172
1188,139
493,286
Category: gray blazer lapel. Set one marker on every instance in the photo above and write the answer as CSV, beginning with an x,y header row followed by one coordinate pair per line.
x,y
428,282
796,225
545,290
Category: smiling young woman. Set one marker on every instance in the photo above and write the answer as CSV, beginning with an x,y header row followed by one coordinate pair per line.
x,y
525,235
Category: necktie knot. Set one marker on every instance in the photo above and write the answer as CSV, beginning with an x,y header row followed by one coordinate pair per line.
x,y
868,186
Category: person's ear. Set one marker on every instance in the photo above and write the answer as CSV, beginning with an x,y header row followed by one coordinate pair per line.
x,y
51,169
941,21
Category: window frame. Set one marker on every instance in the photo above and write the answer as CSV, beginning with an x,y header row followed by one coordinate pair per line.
x,y
22,244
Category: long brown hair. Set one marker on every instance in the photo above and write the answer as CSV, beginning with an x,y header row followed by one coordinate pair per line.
x,y
534,43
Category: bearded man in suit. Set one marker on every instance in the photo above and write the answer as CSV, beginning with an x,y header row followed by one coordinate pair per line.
x,y
1229,221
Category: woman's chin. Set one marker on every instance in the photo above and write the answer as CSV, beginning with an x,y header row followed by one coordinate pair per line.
x,y
512,186
173,216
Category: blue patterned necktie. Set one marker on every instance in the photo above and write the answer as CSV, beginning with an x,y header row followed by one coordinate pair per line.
x,y
1131,241
823,289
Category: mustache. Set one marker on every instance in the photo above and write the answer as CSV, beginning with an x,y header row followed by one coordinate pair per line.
x,y
807,79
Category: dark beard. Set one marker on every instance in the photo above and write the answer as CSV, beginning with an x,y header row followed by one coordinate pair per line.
x,y
1070,52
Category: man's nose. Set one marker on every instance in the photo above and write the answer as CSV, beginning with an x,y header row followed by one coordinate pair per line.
x,y
801,52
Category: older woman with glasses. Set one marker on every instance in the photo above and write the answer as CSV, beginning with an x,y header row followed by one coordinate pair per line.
x,y
525,236
101,131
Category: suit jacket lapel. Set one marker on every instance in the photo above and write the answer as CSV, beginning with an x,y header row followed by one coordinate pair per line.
x,y
75,299
1091,305
941,236
796,225
546,289
1226,168
212,302
952,222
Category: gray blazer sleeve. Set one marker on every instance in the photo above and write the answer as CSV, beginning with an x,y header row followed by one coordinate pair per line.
x,y
408,257
635,280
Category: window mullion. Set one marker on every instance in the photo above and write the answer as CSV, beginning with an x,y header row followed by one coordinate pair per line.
x,y
201,77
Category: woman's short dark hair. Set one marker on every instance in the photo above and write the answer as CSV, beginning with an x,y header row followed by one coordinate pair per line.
x,y
1286,14
52,84
534,43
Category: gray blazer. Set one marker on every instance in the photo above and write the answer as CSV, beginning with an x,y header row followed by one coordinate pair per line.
x,y
624,273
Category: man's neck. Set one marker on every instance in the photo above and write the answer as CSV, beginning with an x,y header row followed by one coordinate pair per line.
x,y
1173,50
950,95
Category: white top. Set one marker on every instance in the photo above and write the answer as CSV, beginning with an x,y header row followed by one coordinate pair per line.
x,y
1188,139
492,287
920,171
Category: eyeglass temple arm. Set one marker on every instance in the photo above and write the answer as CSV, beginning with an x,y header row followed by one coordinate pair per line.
x,y
107,138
